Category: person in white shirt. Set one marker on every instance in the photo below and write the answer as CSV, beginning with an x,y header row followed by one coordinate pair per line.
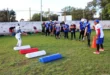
x,y
58,29
99,37
18,35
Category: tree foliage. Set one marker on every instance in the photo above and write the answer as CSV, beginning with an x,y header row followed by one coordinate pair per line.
x,y
45,16
36,17
78,13
104,5
7,16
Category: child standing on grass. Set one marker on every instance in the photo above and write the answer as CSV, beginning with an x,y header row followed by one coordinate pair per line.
x,y
73,31
87,32
66,30
99,37
43,28
81,29
47,26
18,35
58,29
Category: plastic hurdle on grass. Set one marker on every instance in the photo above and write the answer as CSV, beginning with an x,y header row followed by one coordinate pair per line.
x,y
35,54
22,47
30,50
50,58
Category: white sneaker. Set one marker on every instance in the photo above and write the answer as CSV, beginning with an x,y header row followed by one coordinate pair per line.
x,y
101,50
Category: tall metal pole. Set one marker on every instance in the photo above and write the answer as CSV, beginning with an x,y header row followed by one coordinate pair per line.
x,y
8,15
30,13
101,16
41,12
49,13
83,14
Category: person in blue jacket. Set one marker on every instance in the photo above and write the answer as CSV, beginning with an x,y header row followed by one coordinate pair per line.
x,y
87,31
66,30
81,29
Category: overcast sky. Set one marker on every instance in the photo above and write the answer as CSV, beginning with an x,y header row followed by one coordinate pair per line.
x,y
22,6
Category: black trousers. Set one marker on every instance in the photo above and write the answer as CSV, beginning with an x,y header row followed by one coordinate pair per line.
x,y
47,32
81,34
99,46
43,30
66,35
73,33
55,33
88,38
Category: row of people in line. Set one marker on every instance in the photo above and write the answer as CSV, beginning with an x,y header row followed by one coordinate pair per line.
x,y
55,28
84,28
51,28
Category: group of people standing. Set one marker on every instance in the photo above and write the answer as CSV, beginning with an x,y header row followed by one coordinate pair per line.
x,y
55,28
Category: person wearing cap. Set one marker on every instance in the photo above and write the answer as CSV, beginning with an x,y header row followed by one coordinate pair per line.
x,y
99,37
87,31
81,29
66,30
18,35
73,31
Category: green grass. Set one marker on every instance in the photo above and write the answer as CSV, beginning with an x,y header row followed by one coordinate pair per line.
x,y
78,59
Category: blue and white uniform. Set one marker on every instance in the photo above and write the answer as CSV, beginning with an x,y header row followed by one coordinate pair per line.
x,y
88,27
58,29
87,31
99,33
66,30
18,35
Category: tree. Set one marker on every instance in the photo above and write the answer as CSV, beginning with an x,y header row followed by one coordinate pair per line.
x,y
3,16
12,15
104,5
45,17
68,10
36,17
7,16
78,13
54,17
106,12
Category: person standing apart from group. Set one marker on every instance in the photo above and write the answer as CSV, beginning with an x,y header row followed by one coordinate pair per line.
x,y
99,37
18,35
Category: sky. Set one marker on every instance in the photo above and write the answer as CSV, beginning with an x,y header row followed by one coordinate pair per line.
x,y
21,7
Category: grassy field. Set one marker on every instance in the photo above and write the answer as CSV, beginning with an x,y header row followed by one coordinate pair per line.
x,y
78,59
